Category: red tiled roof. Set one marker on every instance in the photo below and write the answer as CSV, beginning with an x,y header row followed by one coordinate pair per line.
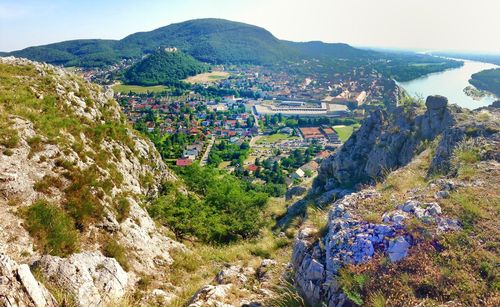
x,y
183,162
252,167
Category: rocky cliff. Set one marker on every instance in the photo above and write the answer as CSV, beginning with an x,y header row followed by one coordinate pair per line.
x,y
73,180
396,242
385,142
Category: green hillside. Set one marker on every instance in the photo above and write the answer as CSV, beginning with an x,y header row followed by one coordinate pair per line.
x,y
214,41
82,53
338,50
208,40
219,41
488,80
164,67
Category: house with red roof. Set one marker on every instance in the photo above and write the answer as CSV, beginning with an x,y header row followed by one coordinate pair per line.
x,y
183,162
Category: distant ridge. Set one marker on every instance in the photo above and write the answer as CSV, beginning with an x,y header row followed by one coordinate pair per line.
x,y
215,41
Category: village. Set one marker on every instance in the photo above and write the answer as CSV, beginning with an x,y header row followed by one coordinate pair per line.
x,y
260,125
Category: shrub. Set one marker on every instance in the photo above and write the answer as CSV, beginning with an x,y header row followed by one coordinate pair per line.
x,y
114,250
36,145
46,183
9,138
222,212
83,197
122,207
52,228
352,285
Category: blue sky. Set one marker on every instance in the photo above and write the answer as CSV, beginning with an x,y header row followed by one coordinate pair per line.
x,y
427,24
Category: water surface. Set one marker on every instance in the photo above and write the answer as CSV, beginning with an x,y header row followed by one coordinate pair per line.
x,y
451,83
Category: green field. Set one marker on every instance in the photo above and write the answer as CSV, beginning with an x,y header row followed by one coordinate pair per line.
x,y
344,132
275,138
123,88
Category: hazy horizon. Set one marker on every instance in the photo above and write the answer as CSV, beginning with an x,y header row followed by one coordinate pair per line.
x,y
392,24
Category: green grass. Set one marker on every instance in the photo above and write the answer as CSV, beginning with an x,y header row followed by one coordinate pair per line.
x,y
275,138
52,228
114,250
123,88
344,132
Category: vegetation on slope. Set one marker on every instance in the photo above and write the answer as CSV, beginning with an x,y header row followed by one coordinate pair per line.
x,y
220,41
165,68
82,53
488,80
221,208
408,66
30,95
458,266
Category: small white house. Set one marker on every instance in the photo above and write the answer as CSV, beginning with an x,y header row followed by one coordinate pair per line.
x,y
298,174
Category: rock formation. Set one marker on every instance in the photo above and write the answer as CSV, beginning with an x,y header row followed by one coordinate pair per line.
x,y
126,160
18,286
386,142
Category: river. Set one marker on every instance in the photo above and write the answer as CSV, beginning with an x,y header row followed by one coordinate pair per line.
x,y
451,83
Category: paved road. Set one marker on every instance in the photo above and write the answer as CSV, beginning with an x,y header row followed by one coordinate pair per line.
x,y
204,159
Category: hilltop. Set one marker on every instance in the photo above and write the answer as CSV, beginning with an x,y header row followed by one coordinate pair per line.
x,y
208,40
219,41
164,67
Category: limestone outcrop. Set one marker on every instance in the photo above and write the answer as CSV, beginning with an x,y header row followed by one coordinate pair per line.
x,y
384,142
351,240
91,278
40,166
18,286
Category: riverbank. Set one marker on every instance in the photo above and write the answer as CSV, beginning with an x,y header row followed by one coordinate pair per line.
x,y
451,83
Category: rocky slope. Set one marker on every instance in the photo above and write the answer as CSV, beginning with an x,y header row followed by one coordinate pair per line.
x,y
67,154
424,234
385,142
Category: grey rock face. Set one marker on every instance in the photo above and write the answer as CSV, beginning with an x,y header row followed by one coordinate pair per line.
x,y
210,296
18,286
94,280
353,241
398,249
384,142
436,102
294,191
233,274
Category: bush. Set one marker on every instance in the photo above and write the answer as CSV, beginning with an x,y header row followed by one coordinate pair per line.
x,y
46,183
9,138
114,250
352,285
52,228
224,210
122,207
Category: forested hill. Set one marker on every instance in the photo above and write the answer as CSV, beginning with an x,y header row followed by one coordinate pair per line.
x,y
488,80
214,41
219,41
208,40
164,67
83,53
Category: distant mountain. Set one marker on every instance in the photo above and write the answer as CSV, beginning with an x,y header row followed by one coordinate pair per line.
x,y
213,41
164,67
337,50
486,58
83,52
209,40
